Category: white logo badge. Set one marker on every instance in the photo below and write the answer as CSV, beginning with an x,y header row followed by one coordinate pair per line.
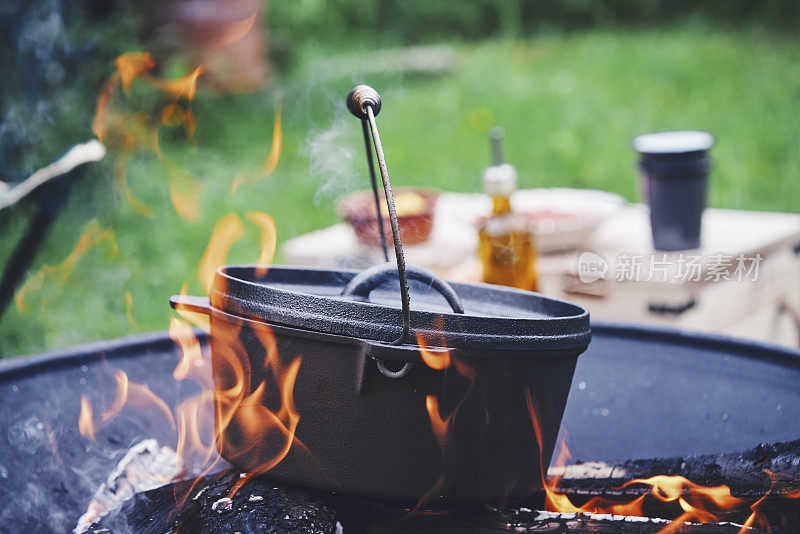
x,y
591,267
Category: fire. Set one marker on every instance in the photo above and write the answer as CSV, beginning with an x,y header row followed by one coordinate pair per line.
x,y
185,87
131,66
236,409
777,490
85,420
438,424
199,320
433,358
226,232
435,354
134,397
137,65
92,236
275,149
131,131
272,159
262,433
269,240
129,308
231,412
181,333
185,191
698,503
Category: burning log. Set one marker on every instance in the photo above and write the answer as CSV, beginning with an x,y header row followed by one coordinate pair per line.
x,y
205,505
261,505
744,472
765,478
551,522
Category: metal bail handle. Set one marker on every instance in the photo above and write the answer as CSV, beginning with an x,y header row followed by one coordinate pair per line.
x,y
365,103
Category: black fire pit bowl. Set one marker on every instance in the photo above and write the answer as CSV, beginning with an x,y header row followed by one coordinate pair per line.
x,y
376,420
638,392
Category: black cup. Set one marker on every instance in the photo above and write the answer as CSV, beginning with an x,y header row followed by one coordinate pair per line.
x,y
674,168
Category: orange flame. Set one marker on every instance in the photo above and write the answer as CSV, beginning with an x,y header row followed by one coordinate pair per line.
x,y
226,232
758,519
192,357
132,395
275,149
695,500
85,419
122,180
185,87
132,65
438,425
430,344
129,309
92,235
231,412
185,191
200,320
269,240
271,163
434,352
132,131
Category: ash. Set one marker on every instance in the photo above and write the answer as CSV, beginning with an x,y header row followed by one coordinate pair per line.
x,y
145,466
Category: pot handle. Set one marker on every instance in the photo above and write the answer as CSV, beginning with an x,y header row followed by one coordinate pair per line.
x,y
362,284
189,303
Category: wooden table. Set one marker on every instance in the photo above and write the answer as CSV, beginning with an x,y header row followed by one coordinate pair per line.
x,y
744,281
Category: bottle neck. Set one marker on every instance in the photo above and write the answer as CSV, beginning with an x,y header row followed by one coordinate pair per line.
x,y
501,205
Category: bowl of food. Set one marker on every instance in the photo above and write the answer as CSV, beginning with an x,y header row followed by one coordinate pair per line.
x,y
560,219
415,208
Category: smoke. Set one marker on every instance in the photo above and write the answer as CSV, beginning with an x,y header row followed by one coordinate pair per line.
x,y
335,158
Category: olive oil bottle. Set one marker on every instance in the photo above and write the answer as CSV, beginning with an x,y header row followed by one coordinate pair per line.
x,y
505,243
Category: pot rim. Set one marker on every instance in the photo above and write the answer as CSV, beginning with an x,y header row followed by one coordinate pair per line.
x,y
283,297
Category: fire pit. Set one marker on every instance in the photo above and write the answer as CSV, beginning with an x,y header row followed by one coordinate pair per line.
x,y
623,407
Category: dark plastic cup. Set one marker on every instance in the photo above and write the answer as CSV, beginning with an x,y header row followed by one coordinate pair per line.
x,y
674,168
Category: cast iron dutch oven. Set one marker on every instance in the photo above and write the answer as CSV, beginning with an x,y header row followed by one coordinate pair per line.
x,y
375,419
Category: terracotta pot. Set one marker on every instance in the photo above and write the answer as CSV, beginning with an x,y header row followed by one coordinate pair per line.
x,y
226,36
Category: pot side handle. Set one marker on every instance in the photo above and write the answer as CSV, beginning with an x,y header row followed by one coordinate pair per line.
x,y
189,303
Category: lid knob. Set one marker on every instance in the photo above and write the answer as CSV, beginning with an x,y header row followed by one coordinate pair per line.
x,y
362,96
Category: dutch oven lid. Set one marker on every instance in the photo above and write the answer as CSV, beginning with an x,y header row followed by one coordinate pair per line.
x,y
494,317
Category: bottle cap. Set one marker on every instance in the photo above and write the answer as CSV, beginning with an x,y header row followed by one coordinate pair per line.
x,y
500,180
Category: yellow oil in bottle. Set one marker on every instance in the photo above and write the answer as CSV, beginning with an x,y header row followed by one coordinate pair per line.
x,y
506,248
505,244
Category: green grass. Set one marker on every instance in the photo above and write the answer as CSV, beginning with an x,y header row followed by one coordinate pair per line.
x,y
570,104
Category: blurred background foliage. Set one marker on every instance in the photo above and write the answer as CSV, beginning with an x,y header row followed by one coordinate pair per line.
x,y
415,21
58,51
570,81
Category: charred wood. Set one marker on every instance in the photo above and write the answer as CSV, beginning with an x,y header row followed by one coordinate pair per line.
x,y
491,521
746,472
771,471
203,506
